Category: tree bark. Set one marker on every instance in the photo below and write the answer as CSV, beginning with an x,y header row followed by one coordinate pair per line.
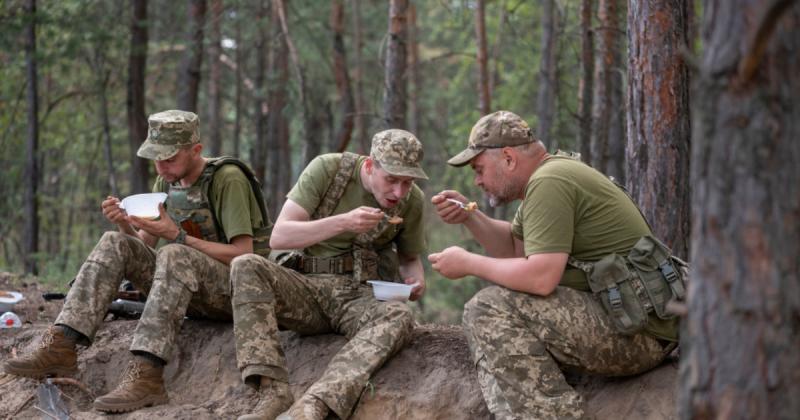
x,y
604,67
485,104
137,120
258,156
215,80
31,235
394,96
189,78
658,118
415,87
585,89
239,58
278,124
548,77
362,115
340,74
739,352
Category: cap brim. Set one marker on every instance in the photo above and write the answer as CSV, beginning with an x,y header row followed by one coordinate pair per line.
x,y
405,171
152,151
464,157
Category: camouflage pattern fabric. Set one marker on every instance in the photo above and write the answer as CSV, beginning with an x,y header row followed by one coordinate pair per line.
x,y
178,280
266,295
167,132
398,152
520,343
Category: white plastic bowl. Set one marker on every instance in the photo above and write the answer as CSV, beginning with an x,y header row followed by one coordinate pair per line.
x,y
386,290
143,205
7,302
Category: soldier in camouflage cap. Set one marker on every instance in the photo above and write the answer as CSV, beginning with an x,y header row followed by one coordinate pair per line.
x,y
200,228
540,315
352,218
168,132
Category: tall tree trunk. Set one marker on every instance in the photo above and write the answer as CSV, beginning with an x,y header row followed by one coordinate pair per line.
x,y
585,89
215,80
258,157
495,77
31,235
548,77
394,95
239,58
189,77
615,164
604,67
658,118
340,74
277,127
739,351
103,82
413,69
137,120
362,116
485,95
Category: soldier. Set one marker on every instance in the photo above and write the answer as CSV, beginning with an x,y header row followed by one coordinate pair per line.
x,y
338,213
540,315
214,212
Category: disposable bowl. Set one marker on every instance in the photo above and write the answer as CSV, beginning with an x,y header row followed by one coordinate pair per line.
x,y
389,291
8,299
143,205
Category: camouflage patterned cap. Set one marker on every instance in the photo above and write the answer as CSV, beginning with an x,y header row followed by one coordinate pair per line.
x,y
398,152
168,131
494,131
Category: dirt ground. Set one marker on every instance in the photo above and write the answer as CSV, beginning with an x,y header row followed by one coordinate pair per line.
x,y
432,378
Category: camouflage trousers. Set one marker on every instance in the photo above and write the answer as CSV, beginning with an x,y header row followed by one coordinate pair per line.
x,y
520,343
177,279
266,295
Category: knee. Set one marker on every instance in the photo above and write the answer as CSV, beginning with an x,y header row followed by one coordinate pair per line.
x,y
397,316
485,303
114,238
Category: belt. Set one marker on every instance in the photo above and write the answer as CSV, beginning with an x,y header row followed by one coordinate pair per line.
x,y
326,265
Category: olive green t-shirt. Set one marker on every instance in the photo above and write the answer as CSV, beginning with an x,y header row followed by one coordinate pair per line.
x,y
308,192
235,205
570,207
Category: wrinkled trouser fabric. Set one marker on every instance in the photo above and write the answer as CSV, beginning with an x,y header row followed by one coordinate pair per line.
x,y
519,342
266,295
177,279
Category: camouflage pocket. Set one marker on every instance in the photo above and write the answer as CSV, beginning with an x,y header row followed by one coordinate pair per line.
x,y
611,281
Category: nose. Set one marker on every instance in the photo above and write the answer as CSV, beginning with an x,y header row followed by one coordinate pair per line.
x,y
400,190
478,180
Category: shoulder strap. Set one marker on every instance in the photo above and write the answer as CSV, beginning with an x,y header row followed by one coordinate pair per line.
x,y
336,187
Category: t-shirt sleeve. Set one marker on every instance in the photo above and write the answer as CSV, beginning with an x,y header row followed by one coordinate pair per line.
x,y
547,216
411,240
234,202
311,185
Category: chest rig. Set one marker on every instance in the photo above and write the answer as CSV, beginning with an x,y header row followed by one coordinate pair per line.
x,y
191,207
364,261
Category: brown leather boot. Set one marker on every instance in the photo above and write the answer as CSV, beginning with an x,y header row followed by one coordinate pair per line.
x,y
276,397
308,407
142,385
55,356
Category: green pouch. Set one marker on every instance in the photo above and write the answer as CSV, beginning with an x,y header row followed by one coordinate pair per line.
x,y
611,281
661,276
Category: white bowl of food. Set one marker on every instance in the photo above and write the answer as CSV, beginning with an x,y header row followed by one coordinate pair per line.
x,y
390,291
143,205
8,299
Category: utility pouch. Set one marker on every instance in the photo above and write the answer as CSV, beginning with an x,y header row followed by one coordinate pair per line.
x,y
661,277
610,281
365,264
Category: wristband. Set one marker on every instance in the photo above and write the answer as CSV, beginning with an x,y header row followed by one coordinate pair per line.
x,y
180,239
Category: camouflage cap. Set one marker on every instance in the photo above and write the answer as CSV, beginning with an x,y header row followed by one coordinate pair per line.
x,y
494,131
168,131
398,152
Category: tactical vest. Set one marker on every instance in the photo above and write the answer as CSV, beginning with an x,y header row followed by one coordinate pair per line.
x,y
638,285
365,262
192,209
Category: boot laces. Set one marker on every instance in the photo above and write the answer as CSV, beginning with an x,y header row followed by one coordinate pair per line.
x,y
133,373
47,339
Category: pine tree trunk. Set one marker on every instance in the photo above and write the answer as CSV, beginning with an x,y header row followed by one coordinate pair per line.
x,y
415,87
258,156
362,113
658,118
604,66
239,58
342,77
278,125
214,135
585,89
31,232
137,120
739,355
189,77
394,96
485,96
548,78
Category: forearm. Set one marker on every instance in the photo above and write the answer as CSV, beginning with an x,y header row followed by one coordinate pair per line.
x,y
223,253
289,234
515,273
411,267
494,235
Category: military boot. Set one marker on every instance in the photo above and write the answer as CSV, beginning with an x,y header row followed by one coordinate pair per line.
x,y
276,397
142,385
55,356
308,407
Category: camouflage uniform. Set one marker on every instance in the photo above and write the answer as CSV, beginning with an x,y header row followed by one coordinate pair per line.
x,y
267,296
520,343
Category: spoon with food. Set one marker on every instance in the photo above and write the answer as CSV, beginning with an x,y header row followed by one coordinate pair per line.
x,y
471,206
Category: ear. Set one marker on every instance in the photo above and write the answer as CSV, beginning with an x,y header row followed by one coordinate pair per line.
x,y
510,158
197,149
368,166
